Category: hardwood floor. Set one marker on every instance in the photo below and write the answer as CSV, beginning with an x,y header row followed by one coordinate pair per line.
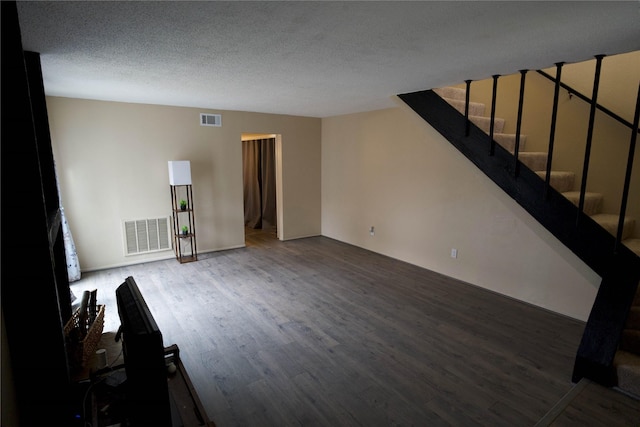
x,y
316,332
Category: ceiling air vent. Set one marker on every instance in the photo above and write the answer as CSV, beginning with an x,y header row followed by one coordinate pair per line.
x,y
210,119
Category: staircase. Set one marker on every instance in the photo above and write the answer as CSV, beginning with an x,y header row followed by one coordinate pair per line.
x,y
609,352
562,181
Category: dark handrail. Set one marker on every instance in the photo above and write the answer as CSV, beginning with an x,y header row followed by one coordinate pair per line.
x,y
605,110
587,151
552,134
516,150
627,177
492,150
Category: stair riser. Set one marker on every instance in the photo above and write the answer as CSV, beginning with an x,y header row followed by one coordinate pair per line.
x,y
592,201
508,141
610,223
561,182
634,245
475,108
534,161
629,379
484,123
451,93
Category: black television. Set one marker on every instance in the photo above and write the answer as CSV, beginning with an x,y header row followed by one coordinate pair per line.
x,y
147,400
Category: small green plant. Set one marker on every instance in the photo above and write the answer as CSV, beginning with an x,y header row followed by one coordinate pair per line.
x,y
185,229
183,204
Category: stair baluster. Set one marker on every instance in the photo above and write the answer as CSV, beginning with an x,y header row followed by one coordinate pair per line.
x,y
552,134
466,108
516,167
587,152
492,150
627,177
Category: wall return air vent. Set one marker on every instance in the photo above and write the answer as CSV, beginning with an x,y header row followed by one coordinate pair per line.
x,y
210,119
146,235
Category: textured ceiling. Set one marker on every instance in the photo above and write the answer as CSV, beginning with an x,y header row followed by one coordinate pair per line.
x,y
306,58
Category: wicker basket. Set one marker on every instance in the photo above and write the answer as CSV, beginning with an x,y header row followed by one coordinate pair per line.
x,y
81,350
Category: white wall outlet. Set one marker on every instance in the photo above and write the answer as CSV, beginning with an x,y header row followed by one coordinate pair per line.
x,y
372,230
454,253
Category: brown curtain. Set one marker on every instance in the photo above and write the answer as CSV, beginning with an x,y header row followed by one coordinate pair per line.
x,y
258,164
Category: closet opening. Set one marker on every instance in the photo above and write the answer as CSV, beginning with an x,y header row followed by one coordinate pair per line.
x,y
261,186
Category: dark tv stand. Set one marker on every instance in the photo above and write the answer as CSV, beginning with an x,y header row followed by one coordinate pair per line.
x,y
183,395
105,400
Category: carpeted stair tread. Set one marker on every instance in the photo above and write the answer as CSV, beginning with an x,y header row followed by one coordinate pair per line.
x,y
534,160
610,223
475,108
592,201
627,367
451,93
633,319
562,181
484,123
456,97
508,141
634,245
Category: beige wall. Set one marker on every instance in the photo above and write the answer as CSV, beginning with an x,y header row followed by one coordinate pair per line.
x,y
112,164
618,87
391,170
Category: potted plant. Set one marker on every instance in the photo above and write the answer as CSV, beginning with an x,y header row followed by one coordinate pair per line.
x,y
185,230
183,204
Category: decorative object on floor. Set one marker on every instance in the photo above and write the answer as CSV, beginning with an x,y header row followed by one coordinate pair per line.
x,y
83,331
184,230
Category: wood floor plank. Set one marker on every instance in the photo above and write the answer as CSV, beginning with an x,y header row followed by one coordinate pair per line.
x,y
315,332
595,405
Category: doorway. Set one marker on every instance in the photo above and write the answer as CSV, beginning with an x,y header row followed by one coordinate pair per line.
x,y
260,186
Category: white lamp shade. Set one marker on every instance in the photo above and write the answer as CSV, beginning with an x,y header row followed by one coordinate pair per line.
x,y
180,172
